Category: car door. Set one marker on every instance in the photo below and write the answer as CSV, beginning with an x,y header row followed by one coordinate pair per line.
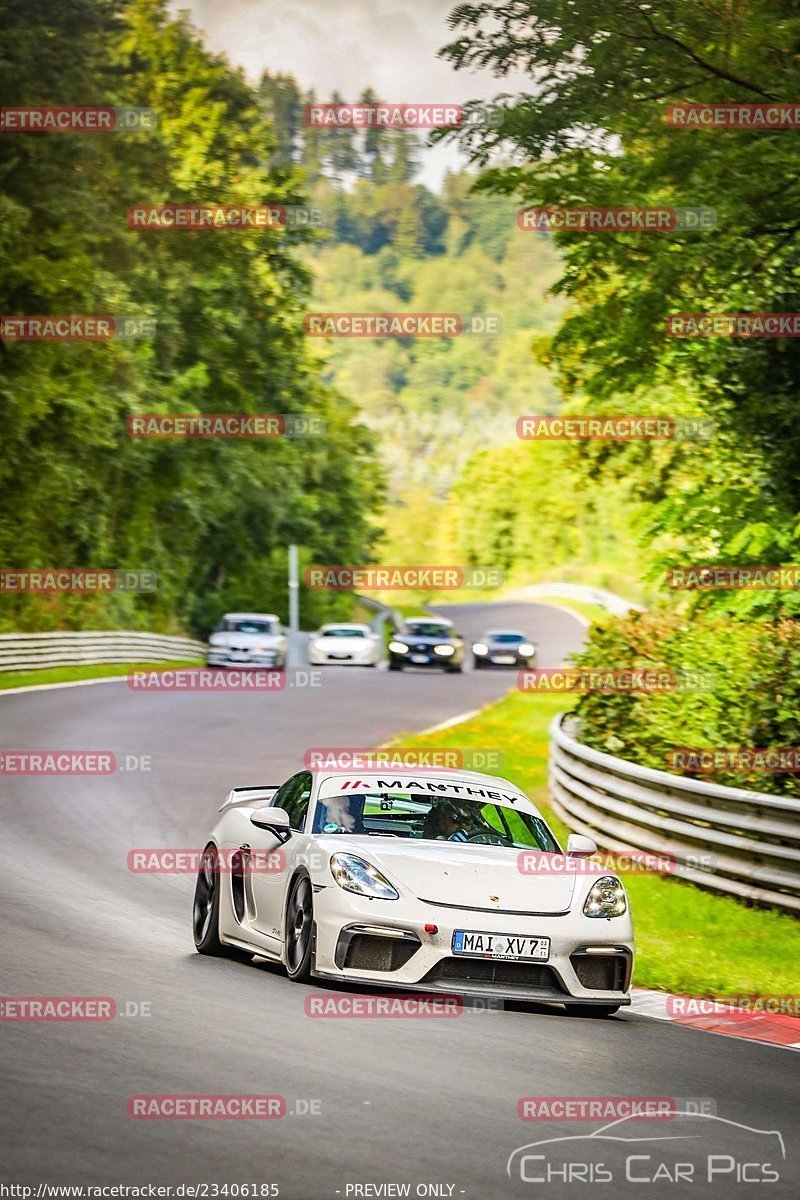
x,y
268,888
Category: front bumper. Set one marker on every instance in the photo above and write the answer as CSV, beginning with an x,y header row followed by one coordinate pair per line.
x,y
320,658
518,662
224,658
387,939
422,659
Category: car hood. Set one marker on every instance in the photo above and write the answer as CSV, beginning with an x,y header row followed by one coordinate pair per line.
x,y
477,877
244,639
340,643
425,639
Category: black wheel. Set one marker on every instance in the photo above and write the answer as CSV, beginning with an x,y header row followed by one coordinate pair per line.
x,y
395,666
592,1010
299,928
478,664
454,670
205,910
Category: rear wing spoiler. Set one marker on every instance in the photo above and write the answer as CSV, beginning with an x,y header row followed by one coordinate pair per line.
x,y
249,795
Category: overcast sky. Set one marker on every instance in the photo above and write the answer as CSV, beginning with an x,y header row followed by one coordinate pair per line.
x,y
347,45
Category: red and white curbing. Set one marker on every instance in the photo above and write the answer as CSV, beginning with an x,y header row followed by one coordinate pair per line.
x,y
775,1029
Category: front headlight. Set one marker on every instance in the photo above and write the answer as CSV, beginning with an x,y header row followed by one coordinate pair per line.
x,y
355,874
606,898
445,650
480,648
398,647
526,648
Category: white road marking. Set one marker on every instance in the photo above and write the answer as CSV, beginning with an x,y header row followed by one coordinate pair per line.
x,y
50,687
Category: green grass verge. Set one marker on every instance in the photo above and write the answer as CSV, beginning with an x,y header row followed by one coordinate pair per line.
x,y
18,679
688,940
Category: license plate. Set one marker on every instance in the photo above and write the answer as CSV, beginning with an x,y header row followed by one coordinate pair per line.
x,y
503,658
419,658
500,945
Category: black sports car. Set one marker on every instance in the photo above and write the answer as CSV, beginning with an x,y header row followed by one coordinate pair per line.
x,y
503,648
427,642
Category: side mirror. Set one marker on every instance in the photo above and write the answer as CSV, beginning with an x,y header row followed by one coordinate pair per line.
x,y
579,846
274,819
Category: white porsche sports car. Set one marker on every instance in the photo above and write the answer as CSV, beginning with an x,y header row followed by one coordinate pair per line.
x,y
344,643
430,880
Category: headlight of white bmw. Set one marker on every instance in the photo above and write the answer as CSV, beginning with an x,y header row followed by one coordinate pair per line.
x,y
446,651
355,874
398,647
480,648
606,898
526,648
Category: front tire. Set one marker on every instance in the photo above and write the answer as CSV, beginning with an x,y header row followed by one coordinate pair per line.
x,y
205,910
299,940
395,666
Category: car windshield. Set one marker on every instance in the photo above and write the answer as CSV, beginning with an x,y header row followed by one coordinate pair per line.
x,y
431,818
242,625
507,639
428,629
344,633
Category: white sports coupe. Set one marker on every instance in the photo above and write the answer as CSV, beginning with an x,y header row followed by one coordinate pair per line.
x,y
345,643
429,880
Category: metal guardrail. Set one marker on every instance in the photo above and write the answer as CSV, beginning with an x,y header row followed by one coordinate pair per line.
x,y
744,843
618,606
29,651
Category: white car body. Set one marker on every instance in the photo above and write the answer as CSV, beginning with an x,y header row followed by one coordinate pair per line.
x,y
242,649
454,886
344,643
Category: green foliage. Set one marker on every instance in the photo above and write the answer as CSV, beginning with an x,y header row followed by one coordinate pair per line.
x,y
211,518
749,695
592,131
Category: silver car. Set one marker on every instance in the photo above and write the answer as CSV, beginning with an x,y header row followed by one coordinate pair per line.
x,y
245,639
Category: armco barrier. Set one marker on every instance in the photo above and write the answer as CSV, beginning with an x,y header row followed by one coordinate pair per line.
x,y
753,838
29,651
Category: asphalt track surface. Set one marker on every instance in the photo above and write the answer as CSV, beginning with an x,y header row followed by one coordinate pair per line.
x,y
400,1101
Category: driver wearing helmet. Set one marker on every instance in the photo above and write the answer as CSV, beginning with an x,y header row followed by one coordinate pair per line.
x,y
445,822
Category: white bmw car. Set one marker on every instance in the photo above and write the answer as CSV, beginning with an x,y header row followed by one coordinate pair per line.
x,y
344,643
244,640
414,880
